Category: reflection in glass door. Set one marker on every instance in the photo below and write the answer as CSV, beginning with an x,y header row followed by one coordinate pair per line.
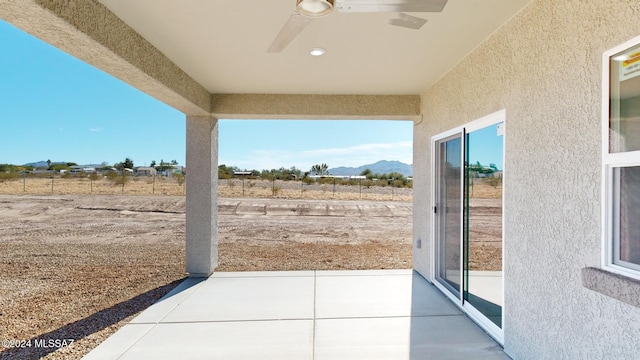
x,y
448,212
483,221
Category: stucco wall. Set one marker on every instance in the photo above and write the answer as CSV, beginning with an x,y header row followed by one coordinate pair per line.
x,y
544,68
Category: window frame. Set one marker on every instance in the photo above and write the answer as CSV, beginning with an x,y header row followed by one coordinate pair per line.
x,y
610,187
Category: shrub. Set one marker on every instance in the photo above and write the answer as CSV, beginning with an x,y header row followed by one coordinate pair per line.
x,y
179,178
8,176
118,179
367,183
121,180
112,175
493,181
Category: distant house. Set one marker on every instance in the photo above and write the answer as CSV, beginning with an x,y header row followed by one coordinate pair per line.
x,y
78,169
146,171
169,170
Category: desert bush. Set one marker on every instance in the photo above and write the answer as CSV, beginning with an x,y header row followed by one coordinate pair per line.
x,y
382,182
121,180
308,180
118,179
8,176
179,178
112,175
493,181
223,175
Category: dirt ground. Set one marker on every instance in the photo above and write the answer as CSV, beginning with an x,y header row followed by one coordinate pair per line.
x,y
81,266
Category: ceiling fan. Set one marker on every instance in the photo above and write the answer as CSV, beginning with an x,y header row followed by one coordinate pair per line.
x,y
307,10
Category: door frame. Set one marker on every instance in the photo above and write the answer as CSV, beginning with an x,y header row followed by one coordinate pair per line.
x,y
497,117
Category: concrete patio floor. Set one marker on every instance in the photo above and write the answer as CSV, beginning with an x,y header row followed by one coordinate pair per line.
x,y
377,314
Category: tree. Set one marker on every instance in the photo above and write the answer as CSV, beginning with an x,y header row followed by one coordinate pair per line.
x,y
48,164
58,167
295,172
153,163
320,169
366,172
126,164
224,171
162,166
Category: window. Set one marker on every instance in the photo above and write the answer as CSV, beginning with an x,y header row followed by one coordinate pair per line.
x,y
621,159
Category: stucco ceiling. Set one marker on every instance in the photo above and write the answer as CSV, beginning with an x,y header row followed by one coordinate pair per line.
x,y
222,44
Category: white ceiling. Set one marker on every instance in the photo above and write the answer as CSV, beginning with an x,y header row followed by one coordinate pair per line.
x,y
222,44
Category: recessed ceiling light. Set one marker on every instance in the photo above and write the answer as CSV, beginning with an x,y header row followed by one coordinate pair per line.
x,y
317,52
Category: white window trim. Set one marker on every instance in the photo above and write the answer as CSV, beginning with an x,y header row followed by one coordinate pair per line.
x,y
609,162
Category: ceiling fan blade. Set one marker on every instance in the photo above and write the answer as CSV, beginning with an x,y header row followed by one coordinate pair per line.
x,y
408,21
290,30
359,6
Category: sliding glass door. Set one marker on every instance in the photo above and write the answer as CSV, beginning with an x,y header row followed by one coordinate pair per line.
x,y
448,210
468,218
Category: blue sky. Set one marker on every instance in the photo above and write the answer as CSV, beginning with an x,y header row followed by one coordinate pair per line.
x,y
305,143
53,106
486,146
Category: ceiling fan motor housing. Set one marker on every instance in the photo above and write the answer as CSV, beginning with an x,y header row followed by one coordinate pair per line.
x,y
314,8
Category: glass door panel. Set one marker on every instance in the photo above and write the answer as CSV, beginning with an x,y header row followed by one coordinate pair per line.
x,y
448,212
483,221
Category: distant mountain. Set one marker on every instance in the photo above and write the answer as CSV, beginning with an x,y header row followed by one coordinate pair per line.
x,y
381,167
42,163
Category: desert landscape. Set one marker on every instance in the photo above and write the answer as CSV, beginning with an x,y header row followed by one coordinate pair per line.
x,y
254,188
77,265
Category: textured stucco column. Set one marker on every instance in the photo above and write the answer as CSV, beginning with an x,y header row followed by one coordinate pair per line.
x,y
202,195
